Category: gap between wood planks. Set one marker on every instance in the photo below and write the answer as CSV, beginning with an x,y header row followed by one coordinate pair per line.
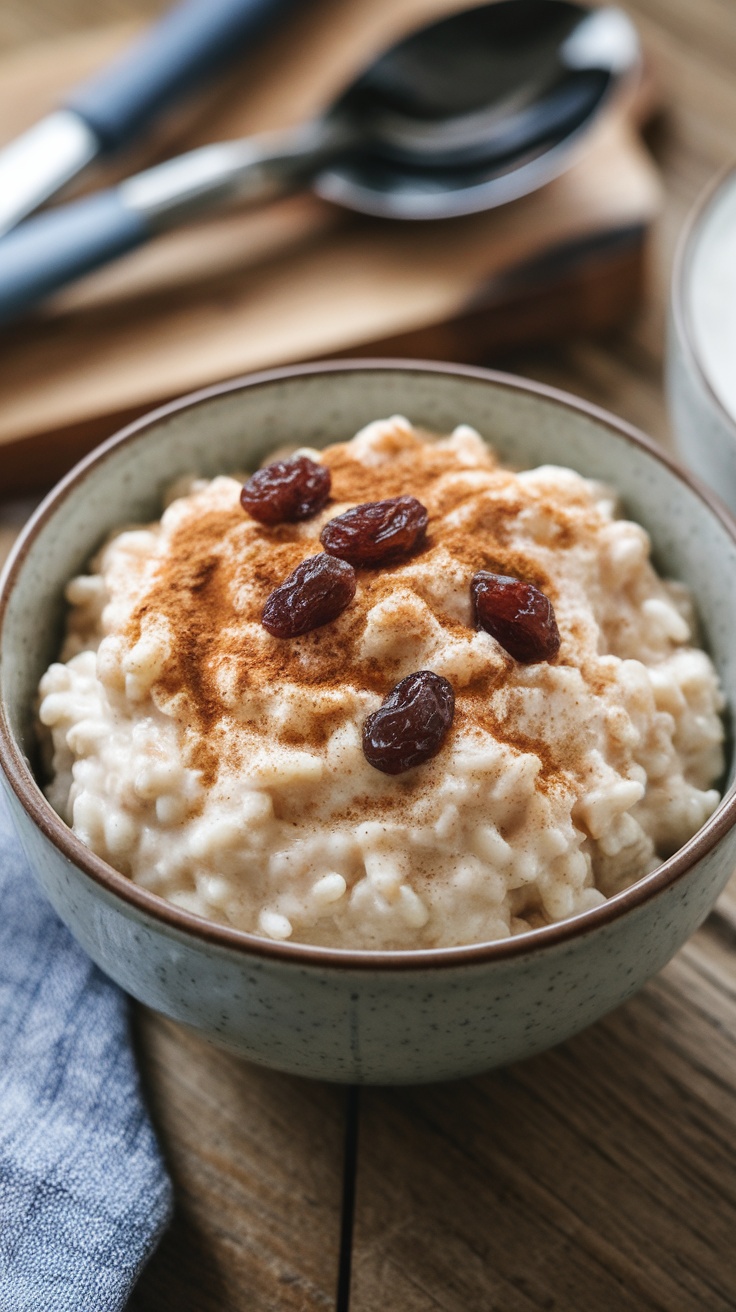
x,y
719,928
347,1218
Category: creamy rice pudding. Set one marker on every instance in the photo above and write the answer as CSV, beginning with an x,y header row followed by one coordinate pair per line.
x,y
253,775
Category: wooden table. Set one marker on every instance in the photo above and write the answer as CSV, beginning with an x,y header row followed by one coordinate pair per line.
x,y
600,1176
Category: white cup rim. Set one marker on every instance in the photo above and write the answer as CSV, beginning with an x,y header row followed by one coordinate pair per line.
x,y
682,315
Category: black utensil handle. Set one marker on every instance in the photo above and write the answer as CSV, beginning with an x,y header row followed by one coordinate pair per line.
x,y
62,244
187,45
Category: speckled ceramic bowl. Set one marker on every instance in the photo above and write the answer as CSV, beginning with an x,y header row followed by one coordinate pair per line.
x,y
342,1015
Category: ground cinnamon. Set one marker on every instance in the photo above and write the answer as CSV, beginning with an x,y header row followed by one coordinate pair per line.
x,y
221,566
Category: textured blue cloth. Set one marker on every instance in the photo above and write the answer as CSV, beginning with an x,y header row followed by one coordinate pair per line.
x,y
84,1195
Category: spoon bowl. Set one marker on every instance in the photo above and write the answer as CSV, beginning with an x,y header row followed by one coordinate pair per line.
x,y
477,109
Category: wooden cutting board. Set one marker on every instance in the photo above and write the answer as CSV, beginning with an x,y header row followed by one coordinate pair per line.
x,y
303,279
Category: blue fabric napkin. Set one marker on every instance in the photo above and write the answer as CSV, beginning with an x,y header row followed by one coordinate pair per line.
x,y
84,1194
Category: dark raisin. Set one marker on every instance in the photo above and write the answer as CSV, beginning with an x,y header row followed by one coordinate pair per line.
x,y
286,491
377,531
517,615
411,725
316,592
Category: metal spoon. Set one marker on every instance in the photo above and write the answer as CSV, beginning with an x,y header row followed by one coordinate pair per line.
x,y
463,115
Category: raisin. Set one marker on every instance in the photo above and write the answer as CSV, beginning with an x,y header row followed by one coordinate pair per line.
x,y
517,615
316,592
286,491
377,531
411,725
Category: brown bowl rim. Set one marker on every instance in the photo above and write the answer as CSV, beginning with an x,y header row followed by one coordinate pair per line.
x,y
682,316
299,955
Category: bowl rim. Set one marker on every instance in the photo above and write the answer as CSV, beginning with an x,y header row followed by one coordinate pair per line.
x,y
681,302
176,920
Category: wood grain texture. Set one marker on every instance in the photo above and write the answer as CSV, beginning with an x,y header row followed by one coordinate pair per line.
x,y
597,1178
600,1175
256,1160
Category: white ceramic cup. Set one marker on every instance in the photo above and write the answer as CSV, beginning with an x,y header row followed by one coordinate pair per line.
x,y
701,351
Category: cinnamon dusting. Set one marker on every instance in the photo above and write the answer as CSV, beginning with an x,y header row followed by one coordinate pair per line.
x,y
221,565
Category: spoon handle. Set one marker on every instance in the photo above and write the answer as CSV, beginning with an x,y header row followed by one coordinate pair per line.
x,y
52,249
188,44
46,252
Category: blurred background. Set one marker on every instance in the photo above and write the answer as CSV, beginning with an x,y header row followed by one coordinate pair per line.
x,y
568,285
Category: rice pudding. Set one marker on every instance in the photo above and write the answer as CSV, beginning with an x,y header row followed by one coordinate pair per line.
x,y
227,768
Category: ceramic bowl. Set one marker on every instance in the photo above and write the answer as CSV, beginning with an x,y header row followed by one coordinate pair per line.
x,y
704,427
347,1015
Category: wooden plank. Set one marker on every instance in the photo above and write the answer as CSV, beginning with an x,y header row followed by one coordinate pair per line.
x,y
601,1175
256,1160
